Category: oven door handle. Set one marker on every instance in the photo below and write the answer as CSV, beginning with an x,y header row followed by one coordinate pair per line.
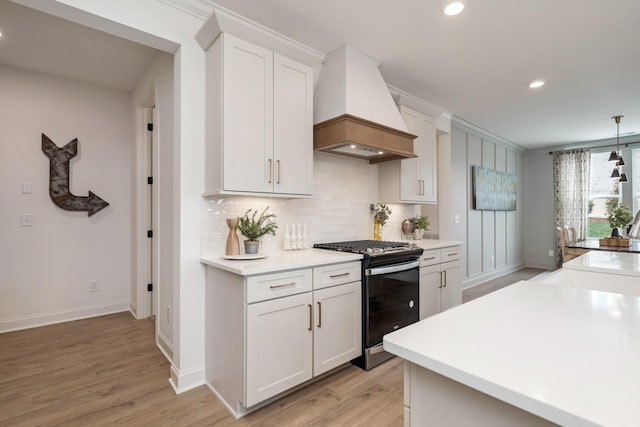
x,y
391,268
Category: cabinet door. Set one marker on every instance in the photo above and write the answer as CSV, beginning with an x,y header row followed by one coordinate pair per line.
x,y
293,126
279,346
248,116
338,326
427,166
430,287
451,288
409,184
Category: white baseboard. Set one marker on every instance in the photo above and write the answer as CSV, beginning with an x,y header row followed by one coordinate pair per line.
x,y
165,346
542,266
186,380
482,278
43,319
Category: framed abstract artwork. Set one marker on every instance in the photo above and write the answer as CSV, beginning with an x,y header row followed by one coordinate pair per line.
x,y
493,190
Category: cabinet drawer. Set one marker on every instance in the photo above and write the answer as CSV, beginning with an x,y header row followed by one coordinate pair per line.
x,y
276,285
450,254
336,274
430,257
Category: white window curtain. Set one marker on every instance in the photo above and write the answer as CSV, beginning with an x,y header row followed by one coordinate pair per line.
x,y
571,191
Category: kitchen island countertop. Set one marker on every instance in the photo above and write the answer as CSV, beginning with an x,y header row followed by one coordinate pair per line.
x,y
280,261
623,263
565,354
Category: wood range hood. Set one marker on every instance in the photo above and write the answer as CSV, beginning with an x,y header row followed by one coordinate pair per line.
x,y
352,136
354,113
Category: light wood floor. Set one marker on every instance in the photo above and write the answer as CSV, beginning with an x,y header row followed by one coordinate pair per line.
x,y
107,370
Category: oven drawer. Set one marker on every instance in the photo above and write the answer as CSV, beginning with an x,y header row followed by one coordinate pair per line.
x,y
431,257
336,274
268,286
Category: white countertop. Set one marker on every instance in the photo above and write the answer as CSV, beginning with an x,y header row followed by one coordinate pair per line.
x,y
289,260
624,263
427,244
280,261
566,354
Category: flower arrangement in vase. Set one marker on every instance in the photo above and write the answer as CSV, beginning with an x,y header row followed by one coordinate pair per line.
x,y
380,214
619,216
254,228
422,224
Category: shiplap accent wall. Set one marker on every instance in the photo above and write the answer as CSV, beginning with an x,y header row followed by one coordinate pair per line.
x,y
493,239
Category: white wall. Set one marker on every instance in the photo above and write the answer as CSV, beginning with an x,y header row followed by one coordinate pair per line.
x,y
162,26
539,217
494,240
46,268
338,211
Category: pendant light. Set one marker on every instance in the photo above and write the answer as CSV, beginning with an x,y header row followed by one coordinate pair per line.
x,y
615,155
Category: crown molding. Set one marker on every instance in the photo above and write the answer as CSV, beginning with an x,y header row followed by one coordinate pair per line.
x,y
200,9
466,126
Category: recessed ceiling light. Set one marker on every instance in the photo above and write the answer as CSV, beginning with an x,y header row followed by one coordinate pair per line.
x,y
453,8
536,84
352,146
380,152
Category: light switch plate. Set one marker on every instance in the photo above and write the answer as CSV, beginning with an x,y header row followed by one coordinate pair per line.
x,y
26,187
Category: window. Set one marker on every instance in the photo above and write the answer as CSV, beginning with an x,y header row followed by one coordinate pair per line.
x,y
603,191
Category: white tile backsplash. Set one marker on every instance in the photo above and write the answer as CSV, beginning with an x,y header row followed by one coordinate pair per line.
x,y
339,209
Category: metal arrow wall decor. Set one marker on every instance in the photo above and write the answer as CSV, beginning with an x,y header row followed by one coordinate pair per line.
x,y
59,179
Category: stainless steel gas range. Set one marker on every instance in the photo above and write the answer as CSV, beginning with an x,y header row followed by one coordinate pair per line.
x,y
390,291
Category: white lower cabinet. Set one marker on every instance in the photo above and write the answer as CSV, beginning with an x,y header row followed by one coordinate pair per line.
x,y
279,346
337,326
439,281
266,334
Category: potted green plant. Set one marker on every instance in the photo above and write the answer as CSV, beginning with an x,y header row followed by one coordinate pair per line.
x,y
422,224
254,228
380,214
619,216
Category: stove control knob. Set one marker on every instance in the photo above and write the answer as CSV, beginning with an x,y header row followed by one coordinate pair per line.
x,y
411,304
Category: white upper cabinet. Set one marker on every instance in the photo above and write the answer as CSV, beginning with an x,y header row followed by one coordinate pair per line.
x,y
293,126
259,121
413,180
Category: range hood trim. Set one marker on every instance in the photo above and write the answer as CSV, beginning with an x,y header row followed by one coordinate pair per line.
x,y
347,129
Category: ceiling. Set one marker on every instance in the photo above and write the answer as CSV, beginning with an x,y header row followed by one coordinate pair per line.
x,y
40,42
477,65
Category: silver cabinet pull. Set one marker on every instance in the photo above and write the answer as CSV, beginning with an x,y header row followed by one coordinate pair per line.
x,y
453,254
422,187
444,273
284,285
419,187
310,317
440,286
429,258
335,276
278,166
270,170
319,314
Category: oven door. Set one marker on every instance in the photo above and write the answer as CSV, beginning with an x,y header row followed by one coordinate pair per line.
x,y
391,299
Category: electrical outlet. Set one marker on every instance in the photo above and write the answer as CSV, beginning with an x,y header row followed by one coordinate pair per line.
x,y
493,260
456,219
550,252
94,286
168,314
26,220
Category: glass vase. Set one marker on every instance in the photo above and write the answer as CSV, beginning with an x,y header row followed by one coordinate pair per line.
x,y
377,230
